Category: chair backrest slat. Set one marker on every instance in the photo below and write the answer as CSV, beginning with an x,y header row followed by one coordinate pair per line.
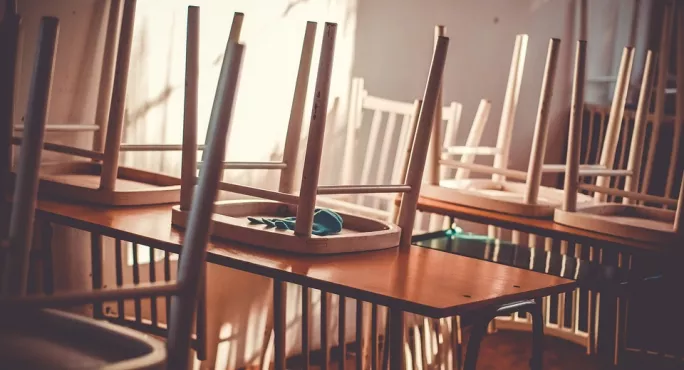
x,y
383,143
474,136
385,153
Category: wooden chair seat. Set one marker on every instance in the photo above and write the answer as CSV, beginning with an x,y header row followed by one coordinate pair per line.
x,y
81,181
500,196
101,180
643,223
67,341
359,233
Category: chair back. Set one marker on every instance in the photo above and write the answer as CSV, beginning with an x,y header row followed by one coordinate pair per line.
x,y
379,133
500,152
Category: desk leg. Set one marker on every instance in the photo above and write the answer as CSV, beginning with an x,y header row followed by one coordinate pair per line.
x,y
96,266
48,272
396,340
279,304
477,332
537,335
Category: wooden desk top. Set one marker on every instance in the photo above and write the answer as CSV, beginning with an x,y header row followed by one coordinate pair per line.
x,y
419,280
542,227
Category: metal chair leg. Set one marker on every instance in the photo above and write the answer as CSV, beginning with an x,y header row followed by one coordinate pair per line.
x,y
476,334
537,336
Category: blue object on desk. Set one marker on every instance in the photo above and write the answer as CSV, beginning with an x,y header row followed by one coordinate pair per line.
x,y
325,222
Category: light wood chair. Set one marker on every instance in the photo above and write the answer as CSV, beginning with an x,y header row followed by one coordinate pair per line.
x,y
55,339
288,165
11,28
100,179
520,192
628,219
384,145
359,233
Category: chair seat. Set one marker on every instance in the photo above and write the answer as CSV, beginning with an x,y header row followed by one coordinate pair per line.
x,y
50,339
499,196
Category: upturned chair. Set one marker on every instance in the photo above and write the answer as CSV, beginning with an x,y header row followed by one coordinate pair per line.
x,y
100,179
359,234
288,165
628,219
11,27
520,192
56,339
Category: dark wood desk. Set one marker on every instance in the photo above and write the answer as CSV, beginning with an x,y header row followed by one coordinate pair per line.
x,y
541,227
419,280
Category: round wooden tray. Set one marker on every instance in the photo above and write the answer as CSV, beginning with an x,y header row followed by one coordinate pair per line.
x,y
359,234
498,196
80,181
50,339
642,223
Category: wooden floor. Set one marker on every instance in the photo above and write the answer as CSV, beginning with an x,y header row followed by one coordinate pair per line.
x,y
511,350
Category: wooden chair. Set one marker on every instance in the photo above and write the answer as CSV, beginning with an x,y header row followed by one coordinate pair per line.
x,y
100,179
11,28
385,144
627,219
359,233
287,166
502,149
529,198
67,340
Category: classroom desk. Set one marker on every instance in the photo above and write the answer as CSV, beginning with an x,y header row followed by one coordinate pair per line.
x,y
416,280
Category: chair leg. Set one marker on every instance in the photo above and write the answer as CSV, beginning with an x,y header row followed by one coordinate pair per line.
x,y
537,336
48,271
476,334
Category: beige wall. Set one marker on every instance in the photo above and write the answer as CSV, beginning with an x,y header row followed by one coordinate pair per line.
x,y
77,71
394,39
